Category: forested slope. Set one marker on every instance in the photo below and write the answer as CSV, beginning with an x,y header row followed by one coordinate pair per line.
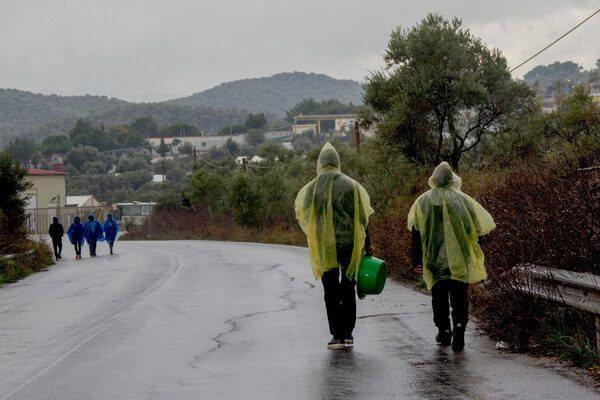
x,y
277,93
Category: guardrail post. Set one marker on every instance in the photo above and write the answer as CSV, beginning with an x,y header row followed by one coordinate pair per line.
x,y
597,332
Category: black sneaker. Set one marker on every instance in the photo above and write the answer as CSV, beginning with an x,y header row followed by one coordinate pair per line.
x,y
349,340
336,344
458,337
444,338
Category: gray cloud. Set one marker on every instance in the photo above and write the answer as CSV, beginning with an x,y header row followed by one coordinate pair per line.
x,y
152,50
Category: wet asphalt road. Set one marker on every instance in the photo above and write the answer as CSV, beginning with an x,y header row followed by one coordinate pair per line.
x,y
211,320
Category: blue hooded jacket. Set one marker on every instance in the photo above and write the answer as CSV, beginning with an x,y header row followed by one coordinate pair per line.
x,y
110,228
75,231
93,229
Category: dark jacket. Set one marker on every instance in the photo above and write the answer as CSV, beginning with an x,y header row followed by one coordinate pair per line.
x,y
75,231
110,228
56,230
92,229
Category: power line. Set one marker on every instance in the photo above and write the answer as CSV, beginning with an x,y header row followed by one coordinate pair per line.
x,y
212,165
247,165
551,44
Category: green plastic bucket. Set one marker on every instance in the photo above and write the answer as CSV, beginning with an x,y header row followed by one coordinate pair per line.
x,y
371,276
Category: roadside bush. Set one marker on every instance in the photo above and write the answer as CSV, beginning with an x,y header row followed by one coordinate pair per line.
x,y
28,258
548,216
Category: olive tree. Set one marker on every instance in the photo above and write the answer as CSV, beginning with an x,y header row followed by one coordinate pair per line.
x,y
12,202
440,92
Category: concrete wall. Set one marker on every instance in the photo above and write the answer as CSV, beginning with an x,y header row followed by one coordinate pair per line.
x,y
46,191
202,143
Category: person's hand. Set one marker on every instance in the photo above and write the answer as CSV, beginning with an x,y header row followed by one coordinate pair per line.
x,y
369,250
418,269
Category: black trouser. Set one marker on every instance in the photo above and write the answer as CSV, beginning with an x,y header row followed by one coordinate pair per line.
x,y
340,298
57,244
77,248
340,302
459,300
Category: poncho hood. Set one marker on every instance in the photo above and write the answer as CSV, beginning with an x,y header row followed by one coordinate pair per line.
x,y
329,159
443,177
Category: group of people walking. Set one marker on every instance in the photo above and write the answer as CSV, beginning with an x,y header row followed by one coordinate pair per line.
x,y
92,232
333,211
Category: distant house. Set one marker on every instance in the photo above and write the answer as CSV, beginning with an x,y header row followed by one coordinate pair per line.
x,y
200,143
46,199
87,204
57,162
299,129
48,189
344,124
136,211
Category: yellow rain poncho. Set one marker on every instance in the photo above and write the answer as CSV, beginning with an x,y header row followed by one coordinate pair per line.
x,y
333,211
450,223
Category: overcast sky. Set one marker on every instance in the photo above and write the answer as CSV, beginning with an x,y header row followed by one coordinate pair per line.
x,y
153,50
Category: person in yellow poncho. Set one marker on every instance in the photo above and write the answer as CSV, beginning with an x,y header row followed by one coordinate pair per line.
x,y
333,211
447,226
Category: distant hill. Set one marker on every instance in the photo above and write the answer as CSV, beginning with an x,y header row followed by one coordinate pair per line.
x,y
24,114
207,119
21,112
37,116
275,94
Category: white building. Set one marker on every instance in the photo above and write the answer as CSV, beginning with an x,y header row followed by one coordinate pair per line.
x,y
201,143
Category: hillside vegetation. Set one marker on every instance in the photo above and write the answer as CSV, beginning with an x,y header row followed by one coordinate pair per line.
x,y
275,94
24,114
207,119
21,112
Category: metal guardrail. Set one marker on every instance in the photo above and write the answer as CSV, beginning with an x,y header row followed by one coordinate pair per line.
x,y
576,289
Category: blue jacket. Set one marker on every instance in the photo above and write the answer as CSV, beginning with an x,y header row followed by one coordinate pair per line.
x,y
110,229
75,231
93,229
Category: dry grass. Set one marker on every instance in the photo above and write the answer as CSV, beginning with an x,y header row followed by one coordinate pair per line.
x,y
182,225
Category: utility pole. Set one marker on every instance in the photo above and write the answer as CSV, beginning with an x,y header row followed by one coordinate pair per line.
x,y
357,134
101,189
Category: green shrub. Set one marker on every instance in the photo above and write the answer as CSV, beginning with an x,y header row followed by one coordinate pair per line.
x,y
32,257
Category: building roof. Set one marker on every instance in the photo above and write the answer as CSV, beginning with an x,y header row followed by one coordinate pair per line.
x,y
81,201
33,171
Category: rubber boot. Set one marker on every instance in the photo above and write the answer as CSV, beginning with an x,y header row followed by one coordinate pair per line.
x,y
443,338
458,337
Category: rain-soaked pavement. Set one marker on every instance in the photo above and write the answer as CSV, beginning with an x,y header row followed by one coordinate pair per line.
x,y
211,320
